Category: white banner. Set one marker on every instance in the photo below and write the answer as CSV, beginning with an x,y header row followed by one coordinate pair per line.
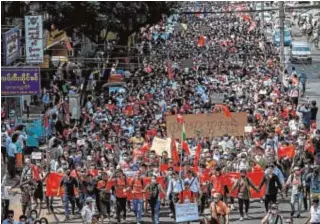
x,y
186,212
34,39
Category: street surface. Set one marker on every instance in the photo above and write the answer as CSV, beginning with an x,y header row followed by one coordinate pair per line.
x,y
256,207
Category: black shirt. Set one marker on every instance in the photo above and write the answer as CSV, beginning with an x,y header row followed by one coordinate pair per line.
x,y
69,185
272,184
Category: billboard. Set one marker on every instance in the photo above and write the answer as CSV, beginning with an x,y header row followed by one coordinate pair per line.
x,y
11,45
34,39
20,81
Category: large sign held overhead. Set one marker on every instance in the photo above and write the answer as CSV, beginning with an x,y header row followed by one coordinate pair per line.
x,y
34,39
11,45
210,125
20,81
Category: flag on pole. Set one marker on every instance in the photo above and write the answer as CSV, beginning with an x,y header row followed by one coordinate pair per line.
x,y
180,119
225,110
197,156
170,73
184,143
174,151
201,41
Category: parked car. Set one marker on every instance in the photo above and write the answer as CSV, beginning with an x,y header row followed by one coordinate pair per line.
x,y
300,51
287,37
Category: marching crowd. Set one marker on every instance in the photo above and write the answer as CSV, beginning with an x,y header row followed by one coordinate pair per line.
x,y
105,162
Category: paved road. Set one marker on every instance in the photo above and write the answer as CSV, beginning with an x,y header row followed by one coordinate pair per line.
x,y
256,208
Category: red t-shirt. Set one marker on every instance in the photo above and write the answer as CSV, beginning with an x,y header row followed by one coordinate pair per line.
x,y
36,172
186,196
137,187
120,186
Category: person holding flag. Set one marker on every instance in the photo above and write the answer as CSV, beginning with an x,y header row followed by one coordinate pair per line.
x,y
243,185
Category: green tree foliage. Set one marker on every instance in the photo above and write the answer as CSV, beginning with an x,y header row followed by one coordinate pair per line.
x,y
91,17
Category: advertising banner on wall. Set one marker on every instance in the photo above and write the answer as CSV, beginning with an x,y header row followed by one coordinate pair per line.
x,y
11,45
20,81
34,39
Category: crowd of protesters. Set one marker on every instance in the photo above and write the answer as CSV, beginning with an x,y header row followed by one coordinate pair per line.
x,y
229,55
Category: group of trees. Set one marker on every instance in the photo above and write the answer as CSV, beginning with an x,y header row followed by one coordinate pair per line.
x,y
91,17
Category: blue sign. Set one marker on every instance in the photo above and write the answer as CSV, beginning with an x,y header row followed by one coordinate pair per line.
x,y
34,39
11,45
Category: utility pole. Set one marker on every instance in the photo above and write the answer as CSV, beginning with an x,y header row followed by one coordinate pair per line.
x,y
281,13
262,16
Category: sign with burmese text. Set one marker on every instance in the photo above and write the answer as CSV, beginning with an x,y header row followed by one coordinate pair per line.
x,y
20,81
34,39
210,125
11,45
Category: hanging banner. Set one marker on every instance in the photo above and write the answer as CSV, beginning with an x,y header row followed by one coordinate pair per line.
x,y
20,81
34,39
11,45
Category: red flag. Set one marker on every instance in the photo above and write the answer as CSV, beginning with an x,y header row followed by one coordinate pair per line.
x,y
174,152
53,184
170,73
286,151
180,119
231,179
197,156
201,41
164,167
145,147
225,110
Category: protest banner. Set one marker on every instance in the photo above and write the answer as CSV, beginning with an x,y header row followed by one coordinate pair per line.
x,y
161,145
255,177
211,125
186,212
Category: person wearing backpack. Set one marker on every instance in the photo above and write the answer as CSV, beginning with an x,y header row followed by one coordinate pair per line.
x,y
273,216
154,189
136,188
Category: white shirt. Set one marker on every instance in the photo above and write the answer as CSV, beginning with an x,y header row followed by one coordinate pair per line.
x,y
175,186
194,184
87,213
315,214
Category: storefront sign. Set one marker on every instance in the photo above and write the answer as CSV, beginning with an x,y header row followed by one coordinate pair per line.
x,y
34,39
187,212
11,45
20,81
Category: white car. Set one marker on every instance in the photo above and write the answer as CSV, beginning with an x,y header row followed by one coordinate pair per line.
x,y
300,51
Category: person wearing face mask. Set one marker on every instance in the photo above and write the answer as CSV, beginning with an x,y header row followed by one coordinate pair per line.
x,y
33,216
194,184
273,184
154,200
273,216
219,210
243,185
295,181
69,183
242,163
10,218
175,186
22,219
306,114
136,188
104,197
312,183
28,187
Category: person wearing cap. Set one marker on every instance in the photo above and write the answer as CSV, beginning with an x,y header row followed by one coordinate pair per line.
x,y
243,185
219,210
88,211
295,181
272,216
